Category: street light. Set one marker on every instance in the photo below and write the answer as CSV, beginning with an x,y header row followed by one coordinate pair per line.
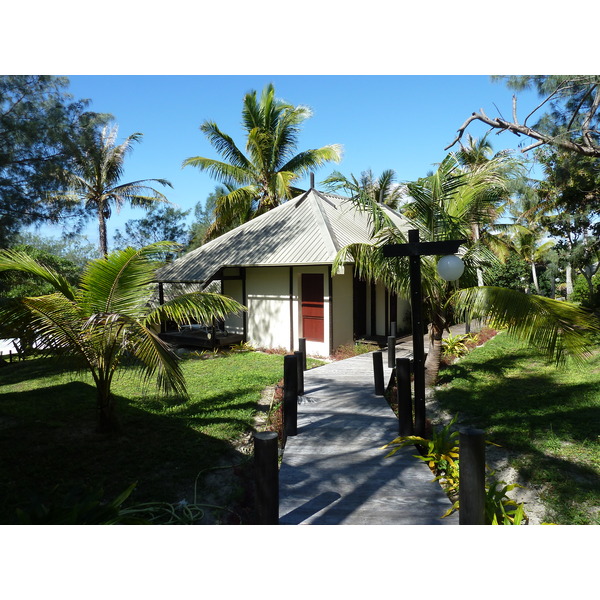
x,y
414,250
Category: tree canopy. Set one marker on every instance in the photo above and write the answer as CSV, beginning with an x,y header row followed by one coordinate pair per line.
x,y
567,116
37,120
263,176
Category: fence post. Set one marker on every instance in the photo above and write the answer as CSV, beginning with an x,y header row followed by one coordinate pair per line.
x,y
391,352
471,489
378,373
403,394
300,373
266,470
290,394
302,348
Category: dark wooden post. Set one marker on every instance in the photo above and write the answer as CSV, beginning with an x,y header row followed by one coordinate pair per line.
x,y
266,477
405,411
378,373
471,489
290,394
300,374
302,348
391,352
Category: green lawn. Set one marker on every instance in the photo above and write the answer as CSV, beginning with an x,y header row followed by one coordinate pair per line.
x,y
50,449
550,415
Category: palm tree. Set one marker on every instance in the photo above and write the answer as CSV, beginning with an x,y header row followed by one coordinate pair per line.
x,y
383,189
444,205
263,177
110,320
93,179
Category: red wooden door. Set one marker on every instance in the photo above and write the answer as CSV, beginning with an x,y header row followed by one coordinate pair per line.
x,y
313,313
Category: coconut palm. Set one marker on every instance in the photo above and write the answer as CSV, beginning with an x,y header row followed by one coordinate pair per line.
x,y
263,177
443,207
383,189
110,320
93,179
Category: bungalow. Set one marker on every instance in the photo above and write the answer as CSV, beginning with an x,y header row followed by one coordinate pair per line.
x,y
279,265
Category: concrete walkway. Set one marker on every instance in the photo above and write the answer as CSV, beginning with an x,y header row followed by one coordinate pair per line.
x,y
334,471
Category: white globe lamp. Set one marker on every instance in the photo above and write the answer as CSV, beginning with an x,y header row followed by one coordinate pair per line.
x,y
450,267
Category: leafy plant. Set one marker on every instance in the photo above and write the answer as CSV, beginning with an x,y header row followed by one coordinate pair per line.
x,y
78,508
456,345
441,453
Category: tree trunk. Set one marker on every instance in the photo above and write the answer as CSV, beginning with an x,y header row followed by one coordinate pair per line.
x,y
569,280
535,279
434,355
102,232
107,416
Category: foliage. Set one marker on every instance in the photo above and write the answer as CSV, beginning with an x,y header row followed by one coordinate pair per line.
x,y
441,454
18,284
557,329
581,292
37,118
349,350
263,177
80,507
161,223
109,320
512,274
384,189
571,122
75,248
445,206
204,214
93,177
455,345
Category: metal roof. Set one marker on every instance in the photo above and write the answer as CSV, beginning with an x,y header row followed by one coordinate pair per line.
x,y
307,230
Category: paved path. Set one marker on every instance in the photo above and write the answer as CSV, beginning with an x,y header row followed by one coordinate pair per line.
x,y
334,471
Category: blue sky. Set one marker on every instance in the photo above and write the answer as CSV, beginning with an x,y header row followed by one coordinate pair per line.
x,y
400,122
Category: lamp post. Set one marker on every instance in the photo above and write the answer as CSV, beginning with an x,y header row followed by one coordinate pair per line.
x,y
414,250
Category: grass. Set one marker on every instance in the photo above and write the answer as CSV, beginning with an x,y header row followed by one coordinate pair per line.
x,y
50,448
550,416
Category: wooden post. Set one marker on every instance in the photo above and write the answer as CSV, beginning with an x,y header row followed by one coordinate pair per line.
x,y
266,470
290,394
378,373
405,410
471,490
391,352
302,348
300,374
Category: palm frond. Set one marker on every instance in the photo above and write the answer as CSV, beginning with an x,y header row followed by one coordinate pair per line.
x,y
115,284
14,260
557,329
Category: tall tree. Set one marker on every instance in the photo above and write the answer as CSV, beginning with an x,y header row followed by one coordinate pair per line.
x,y
92,179
571,190
572,118
37,118
161,223
109,319
384,189
443,207
264,176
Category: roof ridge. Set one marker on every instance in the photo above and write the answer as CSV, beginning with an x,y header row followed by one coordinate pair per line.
x,y
330,237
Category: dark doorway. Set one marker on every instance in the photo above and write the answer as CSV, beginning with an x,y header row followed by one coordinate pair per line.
x,y
360,308
313,314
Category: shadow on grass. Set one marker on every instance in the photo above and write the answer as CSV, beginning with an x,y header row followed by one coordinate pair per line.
x,y
524,413
50,446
